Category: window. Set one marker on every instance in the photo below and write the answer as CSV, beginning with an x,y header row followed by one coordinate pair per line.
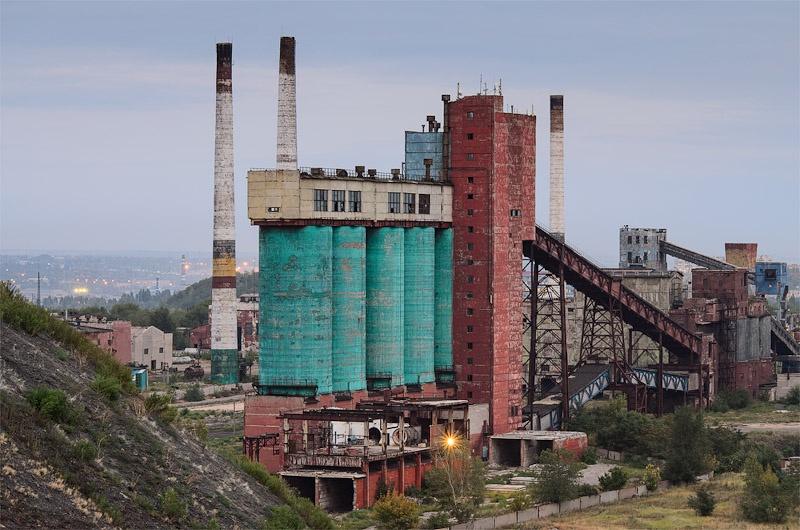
x,y
424,203
470,262
470,246
394,202
355,201
248,328
630,240
161,350
630,257
338,200
637,240
470,278
470,180
470,115
469,394
516,213
409,202
469,294
470,156
147,351
469,346
645,240
470,229
470,211
469,311
645,256
469,329
469,360
470,136
470,196
469,377
320,200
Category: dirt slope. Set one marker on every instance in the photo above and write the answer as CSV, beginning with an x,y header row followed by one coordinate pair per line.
x,y
109,465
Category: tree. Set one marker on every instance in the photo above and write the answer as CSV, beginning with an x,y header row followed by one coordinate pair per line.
x,y
457,480
394,512
764,500
614,479
688,449
703,502
556,476
161,319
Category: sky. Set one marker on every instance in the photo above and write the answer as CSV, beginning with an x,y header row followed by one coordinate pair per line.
x,y
678,115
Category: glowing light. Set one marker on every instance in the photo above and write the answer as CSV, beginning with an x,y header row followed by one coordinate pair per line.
x,y
80,290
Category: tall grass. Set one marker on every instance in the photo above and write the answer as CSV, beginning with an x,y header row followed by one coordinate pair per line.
x,y
33,320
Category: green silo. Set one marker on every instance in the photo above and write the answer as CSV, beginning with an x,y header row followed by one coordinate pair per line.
x,y
384,334
295,310
418,305
349,308
443,301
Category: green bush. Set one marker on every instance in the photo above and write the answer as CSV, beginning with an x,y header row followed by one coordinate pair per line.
x,y
615,479
194,393
688,450
283,518
519,500
52,403
703,502
108,387
438,520
394,512
793,396
764,500
172,506
159,405
731,398
556,477
84,450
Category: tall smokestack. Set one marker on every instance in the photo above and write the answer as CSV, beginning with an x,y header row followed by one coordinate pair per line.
x,y
557,166
287,107
224,350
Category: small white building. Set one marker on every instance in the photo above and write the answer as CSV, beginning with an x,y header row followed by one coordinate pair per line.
x,y
151,347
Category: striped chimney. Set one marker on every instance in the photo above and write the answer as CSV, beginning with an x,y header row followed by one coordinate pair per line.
x,y
287,107
557,166
224,349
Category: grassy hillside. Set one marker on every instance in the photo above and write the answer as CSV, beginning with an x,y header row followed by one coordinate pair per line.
x,y
80,448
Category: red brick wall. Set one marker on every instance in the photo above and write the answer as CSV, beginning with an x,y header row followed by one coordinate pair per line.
x,y
121,342
750,374
575,444
487,248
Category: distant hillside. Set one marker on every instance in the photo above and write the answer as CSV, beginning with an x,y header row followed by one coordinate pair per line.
x,y
80,448
200,291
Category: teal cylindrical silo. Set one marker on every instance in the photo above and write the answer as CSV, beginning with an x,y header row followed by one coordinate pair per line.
x,y
443,301
349,311
295,310
418,305
384,333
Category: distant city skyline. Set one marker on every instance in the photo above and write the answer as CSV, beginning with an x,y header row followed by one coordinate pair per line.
x,y
678,115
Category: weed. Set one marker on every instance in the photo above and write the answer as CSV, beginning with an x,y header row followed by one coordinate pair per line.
x,y
172,506
108,387
84,450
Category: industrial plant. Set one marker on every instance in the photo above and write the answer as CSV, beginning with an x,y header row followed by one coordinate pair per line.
x,y
399,307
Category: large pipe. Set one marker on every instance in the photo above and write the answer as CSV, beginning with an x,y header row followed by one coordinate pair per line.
x,y
287,107
224,350
557,166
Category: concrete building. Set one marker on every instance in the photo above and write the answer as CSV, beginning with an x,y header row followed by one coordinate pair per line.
x,y
639,247
114,337
771,277
396,285
151,347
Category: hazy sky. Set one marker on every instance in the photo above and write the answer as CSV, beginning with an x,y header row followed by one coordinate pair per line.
x,y
678,115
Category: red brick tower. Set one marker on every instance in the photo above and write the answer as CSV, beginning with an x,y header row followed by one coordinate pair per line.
x,y
492,164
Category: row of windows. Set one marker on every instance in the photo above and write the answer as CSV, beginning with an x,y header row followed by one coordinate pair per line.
x,y
409,204
321,201
630,240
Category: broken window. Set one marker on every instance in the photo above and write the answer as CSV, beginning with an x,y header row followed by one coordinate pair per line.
x,y
338,200
355,201
394,202
424,203
409,202
320,200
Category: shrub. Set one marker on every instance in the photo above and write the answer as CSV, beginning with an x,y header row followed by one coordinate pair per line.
x,y
394,512
107,386
158,405
520,500
731,398
84,450
194,393
793,396
615,479
703,502
172,506
438,520
283,518
652,477
556,477
589,456
51,403
764,500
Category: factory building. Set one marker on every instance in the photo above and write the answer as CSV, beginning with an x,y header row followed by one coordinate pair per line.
x,y
394,286
771,277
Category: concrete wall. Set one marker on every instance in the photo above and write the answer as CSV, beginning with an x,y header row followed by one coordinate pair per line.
x,y
292,198
784,383
151,345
